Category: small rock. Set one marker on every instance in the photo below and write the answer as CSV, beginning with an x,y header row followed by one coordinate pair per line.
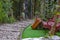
x,y
55,37
36,39
27,39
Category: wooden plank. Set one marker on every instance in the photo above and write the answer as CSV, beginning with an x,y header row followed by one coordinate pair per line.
x,y
36,23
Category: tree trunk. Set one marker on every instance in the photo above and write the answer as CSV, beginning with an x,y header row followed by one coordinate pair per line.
x,y
53,29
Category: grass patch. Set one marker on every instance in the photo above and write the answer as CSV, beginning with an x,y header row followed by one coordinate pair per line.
x,y
29,33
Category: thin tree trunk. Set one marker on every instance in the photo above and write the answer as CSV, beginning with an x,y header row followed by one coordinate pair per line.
x,y
11,12
33,2
53,29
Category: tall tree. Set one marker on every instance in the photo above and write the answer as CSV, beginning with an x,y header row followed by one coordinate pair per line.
x,y
17,8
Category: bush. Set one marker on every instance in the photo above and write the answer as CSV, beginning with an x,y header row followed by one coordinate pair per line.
x,y
11,20
4,14
3,18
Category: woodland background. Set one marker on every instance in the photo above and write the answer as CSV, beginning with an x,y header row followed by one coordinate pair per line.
x,y
13,10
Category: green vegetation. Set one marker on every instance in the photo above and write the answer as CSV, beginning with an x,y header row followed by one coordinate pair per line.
x,y
5,11
14,9
29,33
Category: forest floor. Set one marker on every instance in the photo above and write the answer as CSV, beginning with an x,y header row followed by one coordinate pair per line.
x,y
12,31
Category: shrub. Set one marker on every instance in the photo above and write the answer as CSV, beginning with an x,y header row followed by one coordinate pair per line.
x,y
11,20
4,10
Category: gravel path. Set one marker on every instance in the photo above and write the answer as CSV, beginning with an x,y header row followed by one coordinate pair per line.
x,y
12,31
